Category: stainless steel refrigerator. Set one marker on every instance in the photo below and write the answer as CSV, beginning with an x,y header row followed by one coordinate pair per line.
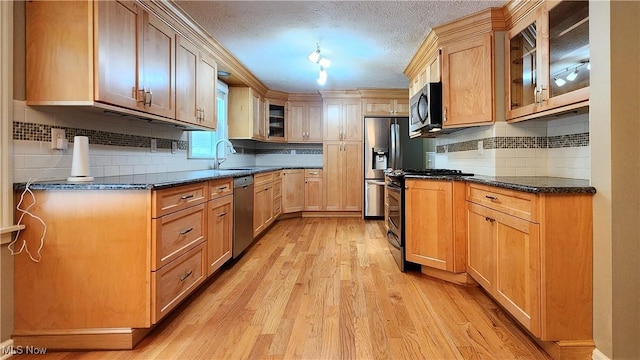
x,y
386,146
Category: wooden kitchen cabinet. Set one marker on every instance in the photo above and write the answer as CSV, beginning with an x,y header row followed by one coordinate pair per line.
x,y
304,122
467,82
196,77
545,47
293,184
342,120
313,190
276,120
267,195
434,224
219,224
342,175
246,114
386,107
534,258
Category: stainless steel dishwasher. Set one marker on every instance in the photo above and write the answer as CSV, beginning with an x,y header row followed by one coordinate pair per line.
x,y
242,214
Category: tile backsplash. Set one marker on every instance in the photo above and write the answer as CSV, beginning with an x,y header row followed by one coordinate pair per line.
x,y
121,146
557,148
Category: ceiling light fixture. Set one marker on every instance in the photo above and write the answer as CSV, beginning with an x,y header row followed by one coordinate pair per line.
x,y
573,75
559,81
324,63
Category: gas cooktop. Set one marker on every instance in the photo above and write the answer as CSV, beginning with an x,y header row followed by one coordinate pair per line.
x,y
427,172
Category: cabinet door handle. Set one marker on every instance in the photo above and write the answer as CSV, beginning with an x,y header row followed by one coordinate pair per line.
x,y
202,114
141,95
222,214
186,275
186,231
150,97
492,198
185,197
542,90
444,114
489,219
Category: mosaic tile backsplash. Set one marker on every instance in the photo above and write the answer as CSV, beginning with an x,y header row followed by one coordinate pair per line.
x,y
519,142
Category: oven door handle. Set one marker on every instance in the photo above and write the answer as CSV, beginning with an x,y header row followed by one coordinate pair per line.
x,y
394,242
375,182
393,223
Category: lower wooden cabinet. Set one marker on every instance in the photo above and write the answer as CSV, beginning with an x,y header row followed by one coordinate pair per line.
x,y
434,224
313,190
342,175
267,195
293,184
533,254
220,232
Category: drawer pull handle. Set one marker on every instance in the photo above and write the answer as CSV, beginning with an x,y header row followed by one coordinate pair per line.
x,y
222,214
186,275
185,197
184,232
489,219
492,198
313,173
222,188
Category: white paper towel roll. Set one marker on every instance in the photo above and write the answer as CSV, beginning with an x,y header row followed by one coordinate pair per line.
x,y
80,161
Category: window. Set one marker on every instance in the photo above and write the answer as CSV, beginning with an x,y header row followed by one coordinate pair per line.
x,y
202,143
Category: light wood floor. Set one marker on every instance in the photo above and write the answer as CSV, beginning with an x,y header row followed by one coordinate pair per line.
x,y
329,289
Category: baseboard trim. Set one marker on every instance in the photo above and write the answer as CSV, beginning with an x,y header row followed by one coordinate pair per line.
x,y
6,349
598,355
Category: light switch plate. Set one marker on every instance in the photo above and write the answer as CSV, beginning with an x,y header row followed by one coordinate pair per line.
x,y
480,147
58,139
154,145
174,147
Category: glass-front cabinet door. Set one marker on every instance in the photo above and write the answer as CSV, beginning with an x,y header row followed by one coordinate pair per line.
x,y
569,64
547,61
522,69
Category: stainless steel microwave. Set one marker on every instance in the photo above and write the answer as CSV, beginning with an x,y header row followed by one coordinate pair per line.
x,y
426,109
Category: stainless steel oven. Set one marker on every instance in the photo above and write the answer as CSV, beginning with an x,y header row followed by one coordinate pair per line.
x,y
395,221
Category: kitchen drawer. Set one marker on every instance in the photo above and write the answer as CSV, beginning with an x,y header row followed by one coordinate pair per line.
x,y
221,187
277,175
516,203
169,200
277,207
277,188
313,173
259,179
174,282
175,233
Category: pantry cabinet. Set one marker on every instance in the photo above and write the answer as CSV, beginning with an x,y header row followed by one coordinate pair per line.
x,y
304,122
196,77
342,175
434,224
534,258
342,120
548,60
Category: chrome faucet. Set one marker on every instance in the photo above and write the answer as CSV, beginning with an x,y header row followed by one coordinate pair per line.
x,y
216,164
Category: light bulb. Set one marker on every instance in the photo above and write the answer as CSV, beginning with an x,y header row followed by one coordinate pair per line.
x,y
324,62
314,56
559,81
573,75
589,66
322,81
322,76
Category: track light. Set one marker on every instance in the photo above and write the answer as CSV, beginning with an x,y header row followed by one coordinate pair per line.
x,y
573,75
322,76
324,63
559,81
314,57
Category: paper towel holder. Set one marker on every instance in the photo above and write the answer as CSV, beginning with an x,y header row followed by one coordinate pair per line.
x,y
80,160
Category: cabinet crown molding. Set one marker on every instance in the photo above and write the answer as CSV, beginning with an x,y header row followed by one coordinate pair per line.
x,y
384,93
341,94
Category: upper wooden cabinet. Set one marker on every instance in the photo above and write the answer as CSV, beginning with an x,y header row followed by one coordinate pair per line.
x,y
196,77
246,114
385,102
467,82
547,62
276,120
342,120
132,66
304,121
462,55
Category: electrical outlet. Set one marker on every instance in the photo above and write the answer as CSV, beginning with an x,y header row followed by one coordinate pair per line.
x,y
58,139
480,147
154,145
174,147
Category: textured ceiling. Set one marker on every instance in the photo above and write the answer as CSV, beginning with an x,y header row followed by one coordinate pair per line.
x,y
369,43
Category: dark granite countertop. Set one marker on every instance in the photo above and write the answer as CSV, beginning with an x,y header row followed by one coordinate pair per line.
x,y
153,181
530,184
